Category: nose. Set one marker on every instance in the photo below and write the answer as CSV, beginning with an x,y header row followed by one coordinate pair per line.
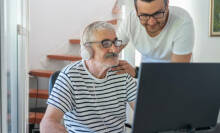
x,y
152,21
114,49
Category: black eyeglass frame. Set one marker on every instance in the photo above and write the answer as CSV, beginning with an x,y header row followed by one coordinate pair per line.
x,y
152,15
115,42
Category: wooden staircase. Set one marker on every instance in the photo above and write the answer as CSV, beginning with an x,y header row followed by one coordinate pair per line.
x,y
74,41
35,117
64,57
41,73
38,93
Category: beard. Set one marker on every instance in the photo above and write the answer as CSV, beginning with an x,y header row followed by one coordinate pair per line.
x,y
154,28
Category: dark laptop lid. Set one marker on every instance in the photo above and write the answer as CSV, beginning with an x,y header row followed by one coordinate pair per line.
x,y
173,96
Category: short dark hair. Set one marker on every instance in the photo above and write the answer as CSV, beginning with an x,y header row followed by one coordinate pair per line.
x,y
135,2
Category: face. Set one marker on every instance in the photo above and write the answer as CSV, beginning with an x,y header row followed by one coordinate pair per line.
x,y
155,10
106,56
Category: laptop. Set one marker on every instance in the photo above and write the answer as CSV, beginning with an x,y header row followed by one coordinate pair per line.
x,y
177,97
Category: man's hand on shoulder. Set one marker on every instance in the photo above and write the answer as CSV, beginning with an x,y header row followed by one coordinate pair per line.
x,y
124,67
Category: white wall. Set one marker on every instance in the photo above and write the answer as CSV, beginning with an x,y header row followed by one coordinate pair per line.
x,y
207,49
54,22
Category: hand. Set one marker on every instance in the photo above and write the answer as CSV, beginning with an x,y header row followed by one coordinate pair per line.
x,y
116,8
124,67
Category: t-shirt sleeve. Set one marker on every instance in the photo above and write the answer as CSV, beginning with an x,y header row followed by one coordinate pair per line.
x,y
131,86
61,96
183,42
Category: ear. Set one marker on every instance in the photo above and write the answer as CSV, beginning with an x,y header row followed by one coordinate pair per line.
x,y
86,52
168,1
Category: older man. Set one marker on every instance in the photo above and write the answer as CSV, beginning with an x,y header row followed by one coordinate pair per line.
x,y
91,97
161,33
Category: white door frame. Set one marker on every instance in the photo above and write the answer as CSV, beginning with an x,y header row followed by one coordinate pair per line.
x,y
23,80
14,68
1,14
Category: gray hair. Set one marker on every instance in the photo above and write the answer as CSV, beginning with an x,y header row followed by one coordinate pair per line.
x,y
88,33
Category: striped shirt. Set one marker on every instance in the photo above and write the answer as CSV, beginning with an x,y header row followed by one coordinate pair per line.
x,y
92,105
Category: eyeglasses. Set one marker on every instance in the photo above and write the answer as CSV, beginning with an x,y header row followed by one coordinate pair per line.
x,y
108,43
157,15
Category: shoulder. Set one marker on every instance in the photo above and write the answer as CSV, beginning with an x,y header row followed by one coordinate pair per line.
x,y
124,76
114,75
179,16
179,19
75,67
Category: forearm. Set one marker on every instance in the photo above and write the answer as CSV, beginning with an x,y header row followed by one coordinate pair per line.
x,y
51,126
132,104
181,58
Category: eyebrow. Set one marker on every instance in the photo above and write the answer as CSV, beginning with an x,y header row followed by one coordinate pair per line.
x,y
159,11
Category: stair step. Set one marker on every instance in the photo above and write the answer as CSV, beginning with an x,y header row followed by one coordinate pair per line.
x,y
41,93
64,57
41,73
38,109
114,21
74,41
35,118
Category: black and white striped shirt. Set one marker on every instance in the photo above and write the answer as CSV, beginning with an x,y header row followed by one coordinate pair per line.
x,y
92,105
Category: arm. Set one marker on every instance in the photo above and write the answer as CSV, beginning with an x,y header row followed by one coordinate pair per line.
x,y
183,44
132,104
115,9
181,58
125,67
131,86
51,121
